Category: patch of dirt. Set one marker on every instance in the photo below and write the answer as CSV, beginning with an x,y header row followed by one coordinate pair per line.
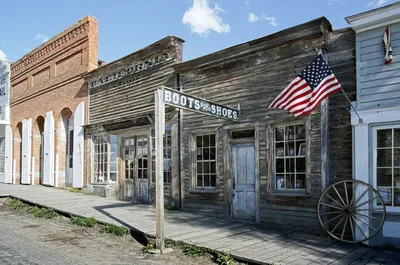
x,y
86,244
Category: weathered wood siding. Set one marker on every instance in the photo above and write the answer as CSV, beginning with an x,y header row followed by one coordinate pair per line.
x,y
378,84
341,56
109,102
252,74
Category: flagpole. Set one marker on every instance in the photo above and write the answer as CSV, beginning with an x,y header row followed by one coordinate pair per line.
x,y
360,120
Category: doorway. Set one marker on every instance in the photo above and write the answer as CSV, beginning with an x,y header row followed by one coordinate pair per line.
x,y
244,176
135,155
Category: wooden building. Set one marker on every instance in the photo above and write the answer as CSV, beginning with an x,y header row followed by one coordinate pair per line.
x,y
121,124
376,143
268,168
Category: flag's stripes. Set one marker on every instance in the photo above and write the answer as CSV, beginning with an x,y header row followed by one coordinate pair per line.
x,y
283,95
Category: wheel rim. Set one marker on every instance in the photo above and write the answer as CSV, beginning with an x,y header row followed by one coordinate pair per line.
x,y
344,211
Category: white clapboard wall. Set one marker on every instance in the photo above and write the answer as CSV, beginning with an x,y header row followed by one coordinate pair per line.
x,y
26,151
79,121
48,150
8,166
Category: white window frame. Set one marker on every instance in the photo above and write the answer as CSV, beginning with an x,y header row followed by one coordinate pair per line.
x,y
194,159
107,144
374,161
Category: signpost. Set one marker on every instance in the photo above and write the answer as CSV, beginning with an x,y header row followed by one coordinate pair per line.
x,y
181,100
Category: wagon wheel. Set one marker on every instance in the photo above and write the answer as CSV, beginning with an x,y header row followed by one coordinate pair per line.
x,y
344,211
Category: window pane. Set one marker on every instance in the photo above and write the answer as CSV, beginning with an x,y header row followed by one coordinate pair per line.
x,y
397,186
300,165
199,154
199,167
280,181
290,165
206,167
206,154
199,181
300,181
279,133
207,180
384,176
280,150
212,153
386,193
290,151
397,137
396,157
289,133
213,167
206,141
199,141
280,165
384,138
113,176
290,181
212,140
300,148
300,132
213,181
384,157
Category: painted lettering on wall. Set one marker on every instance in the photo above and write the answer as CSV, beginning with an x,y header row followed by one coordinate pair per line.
x,y
180,100
130,70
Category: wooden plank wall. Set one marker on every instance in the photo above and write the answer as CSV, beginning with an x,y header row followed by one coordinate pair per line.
x,y
341,56
251,75
378,83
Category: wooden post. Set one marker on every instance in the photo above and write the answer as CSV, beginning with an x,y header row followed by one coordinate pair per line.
x,y
159,133
56,171
181,172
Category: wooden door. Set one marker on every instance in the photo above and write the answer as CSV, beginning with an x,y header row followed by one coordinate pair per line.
x,y
141,159
26,151
78,146
243,171
2,158
8,155
48,148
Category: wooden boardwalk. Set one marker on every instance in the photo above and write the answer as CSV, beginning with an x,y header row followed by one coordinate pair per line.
x,y
249,242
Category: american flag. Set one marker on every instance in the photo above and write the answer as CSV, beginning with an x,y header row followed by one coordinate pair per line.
x,y
315,83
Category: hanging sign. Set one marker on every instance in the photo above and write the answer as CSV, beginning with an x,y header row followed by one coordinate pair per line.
x,y
184,101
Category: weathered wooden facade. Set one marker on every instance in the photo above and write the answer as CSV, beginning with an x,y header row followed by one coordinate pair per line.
x,y
121,124
270,167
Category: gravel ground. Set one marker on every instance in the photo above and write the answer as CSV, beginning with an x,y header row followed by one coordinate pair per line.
x,y
27,240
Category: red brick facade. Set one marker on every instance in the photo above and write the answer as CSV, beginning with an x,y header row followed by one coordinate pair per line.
x,y
49,79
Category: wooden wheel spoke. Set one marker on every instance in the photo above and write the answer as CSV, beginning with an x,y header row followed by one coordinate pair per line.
x,y
365,223
340,197
347,195
359,198
336,226
333,219
372,217
331,212
338,203
355,221
331,206
345,226
352,229
366,202
354,192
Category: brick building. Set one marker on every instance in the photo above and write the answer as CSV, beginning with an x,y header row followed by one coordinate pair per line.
x,y
49,107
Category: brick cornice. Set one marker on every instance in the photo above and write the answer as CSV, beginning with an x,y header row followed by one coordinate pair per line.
x,y
45,49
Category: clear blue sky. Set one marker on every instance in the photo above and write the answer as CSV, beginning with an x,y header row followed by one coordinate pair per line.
x,y
128,25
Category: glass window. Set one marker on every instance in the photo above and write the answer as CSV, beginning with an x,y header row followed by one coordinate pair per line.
x,y
167,142
387,164
100,158
290,157
113,157
206,157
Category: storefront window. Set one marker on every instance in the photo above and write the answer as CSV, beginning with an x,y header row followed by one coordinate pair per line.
x,y
206,167
105,157
167,154
387,163
290,157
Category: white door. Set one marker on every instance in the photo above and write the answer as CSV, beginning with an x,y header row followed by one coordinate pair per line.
x,y
26,151
48,148
8,156
243,170
141,182
78,146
